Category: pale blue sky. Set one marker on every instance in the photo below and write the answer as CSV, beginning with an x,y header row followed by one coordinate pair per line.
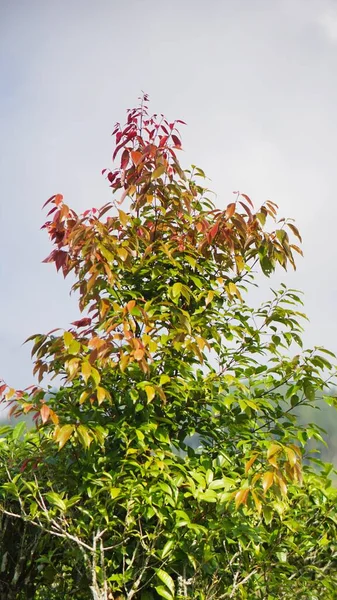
x,y
256,81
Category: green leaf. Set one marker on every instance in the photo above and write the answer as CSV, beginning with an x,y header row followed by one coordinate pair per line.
x,y
158,172
19,430
166,579
114,492
167,548
56,500
176,290
164,593
309,390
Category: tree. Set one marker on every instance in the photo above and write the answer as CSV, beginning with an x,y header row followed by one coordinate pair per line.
x,y
170,456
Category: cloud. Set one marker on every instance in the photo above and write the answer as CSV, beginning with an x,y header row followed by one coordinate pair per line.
x,y
252,79
328,22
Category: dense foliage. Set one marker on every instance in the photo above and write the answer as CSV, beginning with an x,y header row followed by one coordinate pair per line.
x,y
168,463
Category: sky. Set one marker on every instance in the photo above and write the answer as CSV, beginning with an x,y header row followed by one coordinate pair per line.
x,y
256,82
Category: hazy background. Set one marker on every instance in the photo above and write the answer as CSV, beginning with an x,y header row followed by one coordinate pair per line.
x,y
256,81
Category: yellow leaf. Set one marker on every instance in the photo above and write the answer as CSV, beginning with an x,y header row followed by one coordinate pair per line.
x,y
10,393
72,367
86,370
240,264
131,451
176,290
84,436
209,297
123,217
123,363
83,397
282,485
122,253
68,338
53,417
292,458
233,290
101,394
63,434
257,502
273,449
153,346
150,392
95,375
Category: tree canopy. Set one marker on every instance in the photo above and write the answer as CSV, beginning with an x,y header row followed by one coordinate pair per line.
x,y
168,460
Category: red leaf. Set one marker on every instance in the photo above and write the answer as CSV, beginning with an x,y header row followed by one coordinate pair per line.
x,y
248,199
52,210
163,140
117,149
49,200
60,258
50,257
112,176
248,211
212,233
24,464
82,322
176,141
125,159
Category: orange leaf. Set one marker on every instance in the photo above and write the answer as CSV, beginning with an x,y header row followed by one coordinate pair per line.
x,y
292,458
136,157
53,416
130,305
267,480
250,463
58,199
282,485
139,354
273,449
241,497
230,210
45,412
257,502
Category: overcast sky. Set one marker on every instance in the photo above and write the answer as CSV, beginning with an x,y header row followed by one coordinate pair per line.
x,y
256,81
